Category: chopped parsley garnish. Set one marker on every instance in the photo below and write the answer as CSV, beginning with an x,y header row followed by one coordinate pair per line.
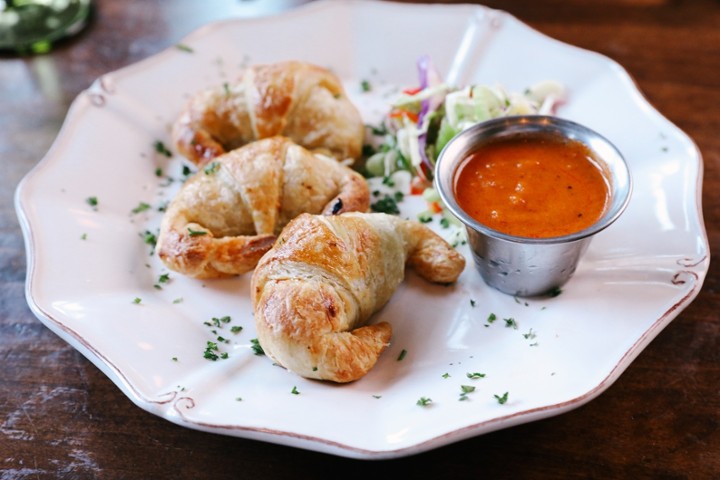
x,y
530,335
162,149
510,323
472,302
445,375
424,217
402,355
150,239
502,399
387,204
236,329
186,171
195,233
465,390
137,300
491,318
444,222
226,88
474,375
256,347
158,172
218,321
83,236
92,201
210,350
424,401
142,206
365,86
178,300
295,391
174,359
184,48
555,292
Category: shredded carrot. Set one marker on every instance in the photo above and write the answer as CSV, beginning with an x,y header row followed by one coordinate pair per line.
x,y
413,117
434,207
411,91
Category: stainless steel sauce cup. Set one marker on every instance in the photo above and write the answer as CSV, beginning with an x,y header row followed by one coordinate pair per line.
x,y
530,266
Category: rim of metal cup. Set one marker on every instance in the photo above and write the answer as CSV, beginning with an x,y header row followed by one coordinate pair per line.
x,y
457,149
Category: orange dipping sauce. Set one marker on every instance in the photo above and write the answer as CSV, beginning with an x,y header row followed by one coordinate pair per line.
x,y
535,187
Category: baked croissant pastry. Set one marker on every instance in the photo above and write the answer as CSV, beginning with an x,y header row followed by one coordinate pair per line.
x,y
298,100
314,290
227,215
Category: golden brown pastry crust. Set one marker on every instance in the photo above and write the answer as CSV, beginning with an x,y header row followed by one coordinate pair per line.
x,y
324,278
227,215
301,101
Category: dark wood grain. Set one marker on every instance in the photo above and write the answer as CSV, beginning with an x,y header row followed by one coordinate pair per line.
x,y
60,417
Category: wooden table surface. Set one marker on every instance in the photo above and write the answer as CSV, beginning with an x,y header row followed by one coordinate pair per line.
x,y
60,417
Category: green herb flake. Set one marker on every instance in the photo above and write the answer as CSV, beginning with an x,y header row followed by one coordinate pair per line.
x,y
184,48
142,206
137,300
529,335
365,86
445,375
162,149
444,222
196,233
425,217
178,300
256,347
387,180
424,401
149,238
555,292
387,204
238,399
491,318
224,355
186,171
465,390
174,359
83,236
510,323
377,396
92,201
474,375
158,172
295,391
472,302
502,399
236,329
164,278
210,350
402,355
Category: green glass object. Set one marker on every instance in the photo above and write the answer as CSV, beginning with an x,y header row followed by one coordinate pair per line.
x,y
33,26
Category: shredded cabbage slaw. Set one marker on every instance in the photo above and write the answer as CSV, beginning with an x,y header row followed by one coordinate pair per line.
x,y
422,120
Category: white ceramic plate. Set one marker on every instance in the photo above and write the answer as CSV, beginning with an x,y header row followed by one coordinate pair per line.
x,y
87,266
